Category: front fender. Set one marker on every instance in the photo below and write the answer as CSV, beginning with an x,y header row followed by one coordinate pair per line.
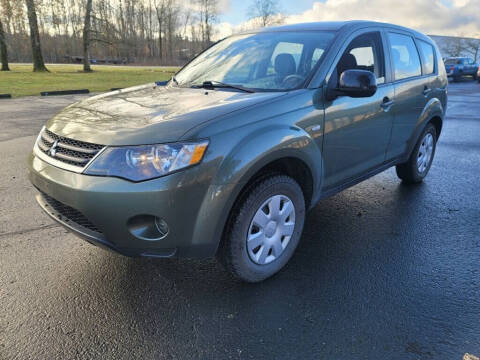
x,y
271,143
244,159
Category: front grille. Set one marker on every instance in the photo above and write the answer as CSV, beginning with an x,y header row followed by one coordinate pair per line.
x,y
69,214
69,151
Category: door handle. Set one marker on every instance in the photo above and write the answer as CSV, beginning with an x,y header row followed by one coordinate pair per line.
x,y
386,103
426,90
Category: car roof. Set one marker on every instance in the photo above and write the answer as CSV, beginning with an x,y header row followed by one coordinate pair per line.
x,y
338,26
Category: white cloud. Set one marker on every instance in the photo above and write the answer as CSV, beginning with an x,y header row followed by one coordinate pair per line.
x,y
451,17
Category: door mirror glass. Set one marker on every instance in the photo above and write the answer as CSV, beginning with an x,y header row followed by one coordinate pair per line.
x,y
357,83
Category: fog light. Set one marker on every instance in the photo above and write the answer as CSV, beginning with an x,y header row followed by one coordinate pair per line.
x,y
148,227
162,226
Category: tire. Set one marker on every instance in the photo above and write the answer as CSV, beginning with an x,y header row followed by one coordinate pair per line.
x,y
253,264
411,172
456,78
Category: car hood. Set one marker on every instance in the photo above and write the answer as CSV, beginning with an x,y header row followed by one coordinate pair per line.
x,y
148,114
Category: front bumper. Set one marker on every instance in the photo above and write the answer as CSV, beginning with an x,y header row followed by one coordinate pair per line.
x,y
100,209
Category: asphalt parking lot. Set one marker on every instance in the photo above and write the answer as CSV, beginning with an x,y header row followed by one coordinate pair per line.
x,y
383,271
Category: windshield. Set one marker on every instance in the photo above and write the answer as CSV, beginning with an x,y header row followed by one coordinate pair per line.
x,y
269,61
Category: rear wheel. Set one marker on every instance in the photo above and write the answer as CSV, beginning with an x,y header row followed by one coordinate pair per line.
x,y
418,165
264,229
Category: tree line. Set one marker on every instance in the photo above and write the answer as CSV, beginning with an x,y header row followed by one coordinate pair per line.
x,y
157,32
141,31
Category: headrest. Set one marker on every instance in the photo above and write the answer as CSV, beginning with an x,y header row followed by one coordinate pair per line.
x,y
285,64
347,62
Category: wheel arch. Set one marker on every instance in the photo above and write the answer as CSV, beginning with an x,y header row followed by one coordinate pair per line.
x,y
292,166
432,113
274,148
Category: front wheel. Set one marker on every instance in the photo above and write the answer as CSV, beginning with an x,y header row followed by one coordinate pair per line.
x,y
418,165
264,229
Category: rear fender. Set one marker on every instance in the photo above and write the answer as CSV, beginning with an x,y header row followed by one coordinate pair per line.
x,y
432,109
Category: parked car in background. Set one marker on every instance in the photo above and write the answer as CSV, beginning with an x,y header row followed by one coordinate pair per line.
x,y
457,67
478,74
227,157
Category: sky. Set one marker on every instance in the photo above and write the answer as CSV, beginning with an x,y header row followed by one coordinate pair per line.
x,y
434,17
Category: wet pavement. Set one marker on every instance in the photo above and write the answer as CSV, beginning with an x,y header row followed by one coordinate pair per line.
x,y
383,271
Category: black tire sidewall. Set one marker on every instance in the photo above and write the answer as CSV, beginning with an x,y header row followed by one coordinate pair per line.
x,y
243,266
413,160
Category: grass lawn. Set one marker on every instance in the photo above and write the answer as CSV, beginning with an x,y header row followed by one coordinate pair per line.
x,y
21,81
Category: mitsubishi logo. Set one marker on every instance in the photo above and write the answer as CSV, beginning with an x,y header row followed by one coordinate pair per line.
x,y
53,149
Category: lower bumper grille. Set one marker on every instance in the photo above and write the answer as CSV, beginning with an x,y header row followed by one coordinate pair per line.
x,y
70,214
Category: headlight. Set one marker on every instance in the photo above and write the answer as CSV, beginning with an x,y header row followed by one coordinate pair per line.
x,y
145,162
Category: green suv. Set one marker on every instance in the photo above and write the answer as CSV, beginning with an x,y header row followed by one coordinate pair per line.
x,y
225,158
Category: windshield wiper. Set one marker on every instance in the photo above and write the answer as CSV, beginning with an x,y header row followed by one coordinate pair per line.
x,y
212,84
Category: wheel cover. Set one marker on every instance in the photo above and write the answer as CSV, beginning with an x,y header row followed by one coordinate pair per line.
x,y
425,152
271,229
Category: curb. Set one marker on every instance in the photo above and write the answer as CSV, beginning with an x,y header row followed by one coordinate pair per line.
x,y
65,92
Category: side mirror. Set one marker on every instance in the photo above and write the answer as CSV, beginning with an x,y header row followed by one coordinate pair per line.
x,y
357,83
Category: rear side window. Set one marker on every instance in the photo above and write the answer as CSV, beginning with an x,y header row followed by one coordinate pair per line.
x,y
427,57
405,56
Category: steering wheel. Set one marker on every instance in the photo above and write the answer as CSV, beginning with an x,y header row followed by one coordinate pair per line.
x,y
291,81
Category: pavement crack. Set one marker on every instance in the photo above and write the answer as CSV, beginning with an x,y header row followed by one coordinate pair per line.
x,y
24,231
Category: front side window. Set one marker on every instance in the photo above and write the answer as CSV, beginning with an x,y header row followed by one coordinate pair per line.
x,y
365,52
427,57
406,61
267,61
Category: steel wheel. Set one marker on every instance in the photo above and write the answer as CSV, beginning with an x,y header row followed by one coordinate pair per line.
x,y
271,229
425,152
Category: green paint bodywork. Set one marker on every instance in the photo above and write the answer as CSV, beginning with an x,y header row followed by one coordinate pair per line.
x,y
340,142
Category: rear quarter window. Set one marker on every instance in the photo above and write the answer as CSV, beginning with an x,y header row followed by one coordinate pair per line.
x,y
428,57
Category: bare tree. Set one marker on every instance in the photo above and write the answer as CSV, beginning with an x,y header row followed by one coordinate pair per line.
x,y
266,11
38,63
86,37
3,49
160,9
472,46
208,16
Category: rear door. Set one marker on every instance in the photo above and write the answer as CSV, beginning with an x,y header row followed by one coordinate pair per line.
x,y
412,91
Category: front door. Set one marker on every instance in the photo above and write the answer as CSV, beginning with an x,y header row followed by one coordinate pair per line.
x,y
357,130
